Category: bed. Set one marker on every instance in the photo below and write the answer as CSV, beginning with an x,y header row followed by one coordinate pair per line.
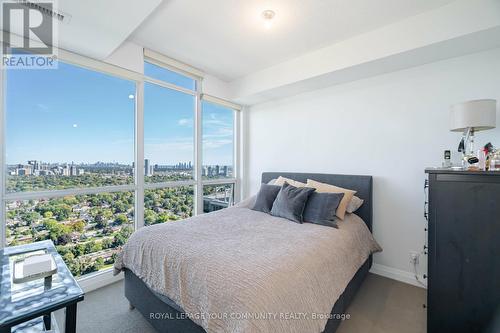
x,y
147,289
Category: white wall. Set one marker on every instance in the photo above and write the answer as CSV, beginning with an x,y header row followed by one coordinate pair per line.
x,y
131,56
391,126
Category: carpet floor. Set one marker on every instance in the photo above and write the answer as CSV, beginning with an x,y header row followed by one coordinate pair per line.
x,y
381,305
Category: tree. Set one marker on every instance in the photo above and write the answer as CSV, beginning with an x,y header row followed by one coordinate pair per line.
x,y
119,207
79,250
63,239
71,201
68,258
57,231
78,226
11,214
62,212
98,264
149,217
29,217
92,246
162,218
107,243
121,236
121,219
100,221
63,250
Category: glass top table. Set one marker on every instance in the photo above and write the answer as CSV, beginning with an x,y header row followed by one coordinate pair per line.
x,y
22,302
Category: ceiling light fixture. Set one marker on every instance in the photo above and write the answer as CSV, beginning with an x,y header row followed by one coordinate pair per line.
x,y
268,16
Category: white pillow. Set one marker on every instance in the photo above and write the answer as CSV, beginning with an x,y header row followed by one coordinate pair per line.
x,y
272,181
354,204
281,180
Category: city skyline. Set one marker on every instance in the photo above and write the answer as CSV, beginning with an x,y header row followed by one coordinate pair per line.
x,y
107,163
44,168
74,114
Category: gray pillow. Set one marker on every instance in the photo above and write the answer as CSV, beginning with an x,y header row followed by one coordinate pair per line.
x,y
265,198
290,202
321,208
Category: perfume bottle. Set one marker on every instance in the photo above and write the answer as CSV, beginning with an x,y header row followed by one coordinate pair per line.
x,y
447,159
495,160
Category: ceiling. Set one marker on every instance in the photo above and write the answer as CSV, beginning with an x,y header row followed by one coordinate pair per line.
x,y
227,38
94,28
91,30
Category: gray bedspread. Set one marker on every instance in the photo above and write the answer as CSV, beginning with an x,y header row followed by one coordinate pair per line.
x,y
238,270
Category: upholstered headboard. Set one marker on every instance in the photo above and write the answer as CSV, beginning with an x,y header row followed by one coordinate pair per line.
x,y
362,184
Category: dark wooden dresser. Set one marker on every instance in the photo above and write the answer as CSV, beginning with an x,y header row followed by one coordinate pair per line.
x,y
463,292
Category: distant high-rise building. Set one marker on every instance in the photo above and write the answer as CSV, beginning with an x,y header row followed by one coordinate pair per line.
x,y
217,170
28,169
225,170
34,164
148,168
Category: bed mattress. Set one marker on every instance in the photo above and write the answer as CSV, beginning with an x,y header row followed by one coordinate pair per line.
x,y
238,270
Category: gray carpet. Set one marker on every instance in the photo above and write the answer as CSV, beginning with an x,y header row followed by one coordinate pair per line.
x,y
381,305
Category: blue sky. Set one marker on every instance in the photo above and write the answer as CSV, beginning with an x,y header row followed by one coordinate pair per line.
x,y
76,115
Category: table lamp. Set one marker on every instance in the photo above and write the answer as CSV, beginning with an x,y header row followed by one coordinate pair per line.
x,y
470,117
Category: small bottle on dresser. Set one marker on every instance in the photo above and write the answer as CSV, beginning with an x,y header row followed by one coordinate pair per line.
x,y
447,159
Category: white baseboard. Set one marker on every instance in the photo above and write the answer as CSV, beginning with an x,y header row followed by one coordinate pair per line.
x,y
99,280
397,274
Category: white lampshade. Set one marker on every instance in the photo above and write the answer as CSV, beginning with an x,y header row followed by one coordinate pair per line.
x,y
480,115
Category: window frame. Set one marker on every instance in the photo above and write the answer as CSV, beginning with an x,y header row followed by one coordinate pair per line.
x,y
95,279
236,151
195,93
101,278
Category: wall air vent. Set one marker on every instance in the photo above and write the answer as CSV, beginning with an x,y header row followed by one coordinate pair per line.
x,y
46,10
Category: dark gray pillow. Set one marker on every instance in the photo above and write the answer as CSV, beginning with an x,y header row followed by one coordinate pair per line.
x,y
290,202
321,207
265,198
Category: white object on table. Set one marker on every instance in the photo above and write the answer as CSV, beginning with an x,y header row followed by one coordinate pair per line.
x,y
37,264
481,156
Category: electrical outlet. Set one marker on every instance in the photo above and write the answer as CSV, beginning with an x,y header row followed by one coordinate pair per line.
x,y
414,257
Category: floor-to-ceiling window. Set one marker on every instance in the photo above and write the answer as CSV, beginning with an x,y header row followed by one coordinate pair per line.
x,y
91,153
69,153
218,155
170,104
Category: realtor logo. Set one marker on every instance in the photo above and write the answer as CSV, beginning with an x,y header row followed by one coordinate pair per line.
x,y
28,34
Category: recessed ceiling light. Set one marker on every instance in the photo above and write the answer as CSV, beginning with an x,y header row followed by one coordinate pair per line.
x,y
268,16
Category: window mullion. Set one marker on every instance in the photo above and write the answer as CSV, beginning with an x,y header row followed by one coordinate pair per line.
x,y
198,152
67,192
3,220
168,85
237,156
139,156
152,186
219,181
